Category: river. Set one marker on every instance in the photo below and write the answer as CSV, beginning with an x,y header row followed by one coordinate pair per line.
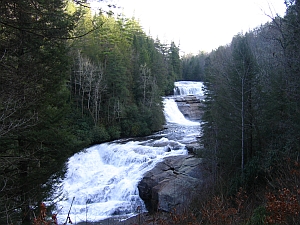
x,y
101,181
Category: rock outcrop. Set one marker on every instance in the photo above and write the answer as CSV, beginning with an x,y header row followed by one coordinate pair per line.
x,y
171,183
190,106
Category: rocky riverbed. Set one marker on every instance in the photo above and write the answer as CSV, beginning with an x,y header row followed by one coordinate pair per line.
x,y
190,106
173,183
121,180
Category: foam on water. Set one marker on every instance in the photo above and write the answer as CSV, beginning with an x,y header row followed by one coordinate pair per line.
x,y
188,88
104,178
173,114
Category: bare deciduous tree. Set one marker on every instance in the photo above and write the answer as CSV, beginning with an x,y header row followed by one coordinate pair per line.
x,y
88,82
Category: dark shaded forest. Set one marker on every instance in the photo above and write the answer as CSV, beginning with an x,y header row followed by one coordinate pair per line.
x,y
70,79
251,125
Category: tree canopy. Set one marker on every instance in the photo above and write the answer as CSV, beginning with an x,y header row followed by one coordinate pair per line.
x,y
69,79
251,120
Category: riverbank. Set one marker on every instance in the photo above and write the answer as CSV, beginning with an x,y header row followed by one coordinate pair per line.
x,y
146,218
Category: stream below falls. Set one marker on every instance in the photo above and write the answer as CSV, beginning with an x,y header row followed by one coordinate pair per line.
x,y
101,181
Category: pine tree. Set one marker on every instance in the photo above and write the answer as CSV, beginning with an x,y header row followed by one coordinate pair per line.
x,y
34,130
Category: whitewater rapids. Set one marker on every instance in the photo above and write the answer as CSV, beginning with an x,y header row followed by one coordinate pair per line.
x,y
103,179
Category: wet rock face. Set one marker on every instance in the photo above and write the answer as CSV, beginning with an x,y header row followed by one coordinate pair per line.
x,y
172,183
190,106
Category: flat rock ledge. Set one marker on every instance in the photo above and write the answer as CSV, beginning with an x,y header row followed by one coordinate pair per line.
x,y
172,183
190,106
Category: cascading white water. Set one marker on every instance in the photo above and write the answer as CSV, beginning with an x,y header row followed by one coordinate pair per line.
x,y
188,88
104,178
173,114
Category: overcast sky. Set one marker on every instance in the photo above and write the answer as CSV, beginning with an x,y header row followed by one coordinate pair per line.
x,y
200,25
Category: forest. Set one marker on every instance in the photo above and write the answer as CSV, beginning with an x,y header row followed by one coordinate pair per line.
x,y
251,125
70,79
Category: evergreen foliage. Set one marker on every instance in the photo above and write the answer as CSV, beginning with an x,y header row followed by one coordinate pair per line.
x,y
69,79
193,67
35,137
119,75
64,87
251,120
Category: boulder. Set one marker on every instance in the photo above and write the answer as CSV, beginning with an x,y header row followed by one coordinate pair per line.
x,y
171,183
194,148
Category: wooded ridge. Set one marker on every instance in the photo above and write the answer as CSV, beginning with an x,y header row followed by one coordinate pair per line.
x,y
70,79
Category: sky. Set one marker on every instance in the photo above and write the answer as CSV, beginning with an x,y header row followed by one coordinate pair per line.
x,y
199,25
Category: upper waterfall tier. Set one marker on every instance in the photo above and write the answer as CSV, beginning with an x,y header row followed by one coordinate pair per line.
x,y
188,88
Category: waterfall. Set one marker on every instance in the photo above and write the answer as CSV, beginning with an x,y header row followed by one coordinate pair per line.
x,y
104,178
173,115
188,88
